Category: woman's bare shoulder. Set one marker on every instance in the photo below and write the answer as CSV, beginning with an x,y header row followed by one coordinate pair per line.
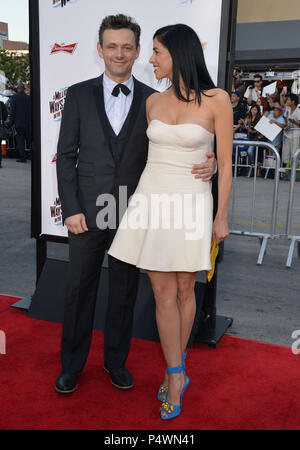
x,y
153,98
218,94
219,101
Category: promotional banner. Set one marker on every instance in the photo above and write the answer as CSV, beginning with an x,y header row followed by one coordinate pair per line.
x,y
68,35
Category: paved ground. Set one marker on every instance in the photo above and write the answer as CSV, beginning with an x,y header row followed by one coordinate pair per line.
x,y
263,300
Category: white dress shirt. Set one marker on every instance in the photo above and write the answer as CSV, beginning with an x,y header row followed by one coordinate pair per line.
x,y
117,108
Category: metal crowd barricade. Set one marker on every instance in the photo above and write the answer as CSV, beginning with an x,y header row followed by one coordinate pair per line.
x,y
286,171
293,238
263,237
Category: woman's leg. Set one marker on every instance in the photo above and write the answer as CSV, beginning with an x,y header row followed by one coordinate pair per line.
x,y
186,301
251,154
164,285
286,150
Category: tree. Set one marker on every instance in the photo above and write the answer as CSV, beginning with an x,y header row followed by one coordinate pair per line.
x,y
15,66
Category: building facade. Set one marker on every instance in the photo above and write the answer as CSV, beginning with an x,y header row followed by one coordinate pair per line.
x,y
268,33
3,33
11,46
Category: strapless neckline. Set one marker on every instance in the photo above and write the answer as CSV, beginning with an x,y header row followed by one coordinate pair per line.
x,y
180,124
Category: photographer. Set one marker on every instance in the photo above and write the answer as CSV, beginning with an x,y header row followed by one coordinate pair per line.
x,y
253,93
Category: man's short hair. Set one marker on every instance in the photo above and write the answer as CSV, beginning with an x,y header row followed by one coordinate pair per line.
x,y
294,98
257,75
118,22
21,87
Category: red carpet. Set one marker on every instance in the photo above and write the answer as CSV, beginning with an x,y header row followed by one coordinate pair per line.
x,y
241,385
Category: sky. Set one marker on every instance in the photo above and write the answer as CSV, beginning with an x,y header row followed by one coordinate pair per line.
x,y
15,13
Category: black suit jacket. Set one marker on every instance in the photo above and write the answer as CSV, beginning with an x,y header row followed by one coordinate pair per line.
x,y
3,113
85,164
20,110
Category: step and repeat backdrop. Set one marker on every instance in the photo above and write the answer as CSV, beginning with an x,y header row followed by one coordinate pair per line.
x,y
68,34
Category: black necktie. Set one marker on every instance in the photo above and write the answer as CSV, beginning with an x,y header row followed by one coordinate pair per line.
x,y
123,88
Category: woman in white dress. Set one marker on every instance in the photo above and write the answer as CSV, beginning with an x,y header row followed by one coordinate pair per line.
x,y
182,121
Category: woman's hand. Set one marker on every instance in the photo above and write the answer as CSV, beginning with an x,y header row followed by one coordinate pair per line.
x,y
220,229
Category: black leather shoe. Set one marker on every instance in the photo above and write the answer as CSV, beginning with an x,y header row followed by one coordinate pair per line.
x,y
66,383
120,378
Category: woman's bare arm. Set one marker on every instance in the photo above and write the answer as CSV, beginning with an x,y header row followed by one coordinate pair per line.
x,y
223,119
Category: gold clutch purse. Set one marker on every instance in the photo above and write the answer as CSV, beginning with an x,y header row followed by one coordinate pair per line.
x,y
214,250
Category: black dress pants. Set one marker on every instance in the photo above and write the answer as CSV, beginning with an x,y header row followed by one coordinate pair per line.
x,y
23,134
86,254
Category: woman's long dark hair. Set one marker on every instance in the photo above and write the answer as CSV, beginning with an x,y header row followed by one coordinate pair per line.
x,y
187,55
257,115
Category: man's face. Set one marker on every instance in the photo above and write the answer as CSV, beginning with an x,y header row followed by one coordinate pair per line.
x,y
257,82
234,98
119,53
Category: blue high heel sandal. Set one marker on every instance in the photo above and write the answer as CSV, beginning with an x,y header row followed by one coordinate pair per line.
x,y
169,410
163,390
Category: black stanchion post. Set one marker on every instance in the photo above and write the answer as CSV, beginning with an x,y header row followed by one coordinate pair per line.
x,y
212,327
41,255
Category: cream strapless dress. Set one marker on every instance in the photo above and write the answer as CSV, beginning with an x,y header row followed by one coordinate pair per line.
x,y
168,222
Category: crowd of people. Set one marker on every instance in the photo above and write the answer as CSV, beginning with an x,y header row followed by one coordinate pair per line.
x,y
282,108
248,102
15,121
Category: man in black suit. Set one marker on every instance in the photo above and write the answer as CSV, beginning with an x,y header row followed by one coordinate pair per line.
x,y
3,117
20,118
102,146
